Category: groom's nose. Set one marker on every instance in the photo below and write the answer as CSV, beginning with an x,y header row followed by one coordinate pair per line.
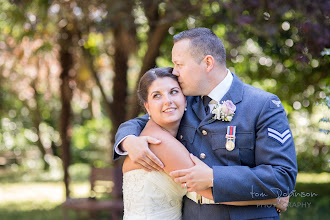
x,y
174,72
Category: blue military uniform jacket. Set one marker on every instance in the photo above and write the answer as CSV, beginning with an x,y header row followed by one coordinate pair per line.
x,y
262,165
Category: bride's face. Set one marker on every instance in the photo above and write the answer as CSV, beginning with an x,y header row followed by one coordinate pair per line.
x,y
166,102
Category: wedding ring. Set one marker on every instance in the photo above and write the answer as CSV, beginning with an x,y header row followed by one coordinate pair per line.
x,y
185,185
278,211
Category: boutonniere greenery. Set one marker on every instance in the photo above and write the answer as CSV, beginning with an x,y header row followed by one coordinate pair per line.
x,y
224,111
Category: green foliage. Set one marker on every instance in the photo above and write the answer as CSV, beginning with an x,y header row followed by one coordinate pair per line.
x,y
309,162
79,172
94,42
309,201
326,119
273,46
90,141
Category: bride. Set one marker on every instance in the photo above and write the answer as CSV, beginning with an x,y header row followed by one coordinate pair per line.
x,y
154,195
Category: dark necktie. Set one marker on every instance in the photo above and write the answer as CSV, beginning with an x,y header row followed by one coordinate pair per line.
x,y
206,101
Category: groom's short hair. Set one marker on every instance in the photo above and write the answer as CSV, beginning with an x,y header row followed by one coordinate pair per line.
x,y
203,42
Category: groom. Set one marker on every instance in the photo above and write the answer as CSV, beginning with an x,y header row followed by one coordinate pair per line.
x,y
245,149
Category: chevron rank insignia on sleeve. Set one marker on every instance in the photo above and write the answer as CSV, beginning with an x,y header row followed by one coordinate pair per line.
x,y
276,102
278,136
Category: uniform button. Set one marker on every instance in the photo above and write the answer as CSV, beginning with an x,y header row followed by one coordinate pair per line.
x,y
204,132
202,156
181,137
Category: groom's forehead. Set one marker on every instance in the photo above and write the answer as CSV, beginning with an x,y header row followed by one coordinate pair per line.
x,y
180,54
181,45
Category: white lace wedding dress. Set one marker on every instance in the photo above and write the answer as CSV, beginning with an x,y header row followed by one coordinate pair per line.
x,y
151,196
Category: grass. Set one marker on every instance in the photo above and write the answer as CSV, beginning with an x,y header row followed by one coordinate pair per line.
x,y
35,195
36,200
310,201
40,197
30,210
41,210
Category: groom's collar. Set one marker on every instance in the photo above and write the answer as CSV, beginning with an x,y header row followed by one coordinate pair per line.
x,y
235,93
222,88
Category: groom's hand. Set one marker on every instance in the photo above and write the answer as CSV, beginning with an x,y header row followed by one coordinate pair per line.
x,y
283,203
139,152
196,178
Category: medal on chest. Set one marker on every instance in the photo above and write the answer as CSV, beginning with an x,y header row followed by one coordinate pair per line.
x,y
230,137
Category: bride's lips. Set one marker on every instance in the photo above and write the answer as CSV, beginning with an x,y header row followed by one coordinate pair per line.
x,y
169,110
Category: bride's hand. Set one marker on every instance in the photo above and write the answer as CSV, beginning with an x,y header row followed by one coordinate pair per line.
x,y
139,152
196,178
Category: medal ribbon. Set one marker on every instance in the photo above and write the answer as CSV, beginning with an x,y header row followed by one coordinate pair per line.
x,y
231,132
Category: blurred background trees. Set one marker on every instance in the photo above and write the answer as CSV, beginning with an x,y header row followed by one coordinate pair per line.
x,y
69,69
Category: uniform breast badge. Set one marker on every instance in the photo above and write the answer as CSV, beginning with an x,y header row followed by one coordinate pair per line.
x,y
230,136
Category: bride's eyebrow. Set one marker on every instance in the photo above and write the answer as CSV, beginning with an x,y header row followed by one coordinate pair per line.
x,y
154,92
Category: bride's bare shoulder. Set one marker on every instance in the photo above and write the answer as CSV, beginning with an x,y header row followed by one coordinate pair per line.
x,y
154,130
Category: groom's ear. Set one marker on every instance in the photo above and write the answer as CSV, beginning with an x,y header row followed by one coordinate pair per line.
x,y
209,61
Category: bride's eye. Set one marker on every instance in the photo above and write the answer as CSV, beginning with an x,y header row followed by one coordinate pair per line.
x,y
174,91
156,96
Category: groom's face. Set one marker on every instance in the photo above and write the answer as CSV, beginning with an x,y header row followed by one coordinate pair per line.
x,y
191,75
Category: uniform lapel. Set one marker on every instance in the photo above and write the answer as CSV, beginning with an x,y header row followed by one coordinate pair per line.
x,y
235,94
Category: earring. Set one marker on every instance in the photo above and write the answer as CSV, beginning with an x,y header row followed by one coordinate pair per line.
x,y
149,117
185,109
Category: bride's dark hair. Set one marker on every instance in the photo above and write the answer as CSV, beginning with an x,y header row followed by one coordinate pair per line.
x,y
150,76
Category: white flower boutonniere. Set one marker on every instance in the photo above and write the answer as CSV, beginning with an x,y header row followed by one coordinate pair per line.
x,y
224,111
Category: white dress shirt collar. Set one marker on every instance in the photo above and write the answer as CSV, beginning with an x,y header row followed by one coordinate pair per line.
x,y
222,88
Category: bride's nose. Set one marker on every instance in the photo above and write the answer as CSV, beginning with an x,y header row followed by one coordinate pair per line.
x,y
168,99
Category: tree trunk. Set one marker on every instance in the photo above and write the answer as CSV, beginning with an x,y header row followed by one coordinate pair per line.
x,y
118,106
66,59
36,120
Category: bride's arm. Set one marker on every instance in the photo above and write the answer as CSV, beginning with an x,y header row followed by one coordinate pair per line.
x,y
175,156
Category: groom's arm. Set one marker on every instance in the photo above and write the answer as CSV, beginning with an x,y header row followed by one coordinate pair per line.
x,y
276,165
131,127
128,142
